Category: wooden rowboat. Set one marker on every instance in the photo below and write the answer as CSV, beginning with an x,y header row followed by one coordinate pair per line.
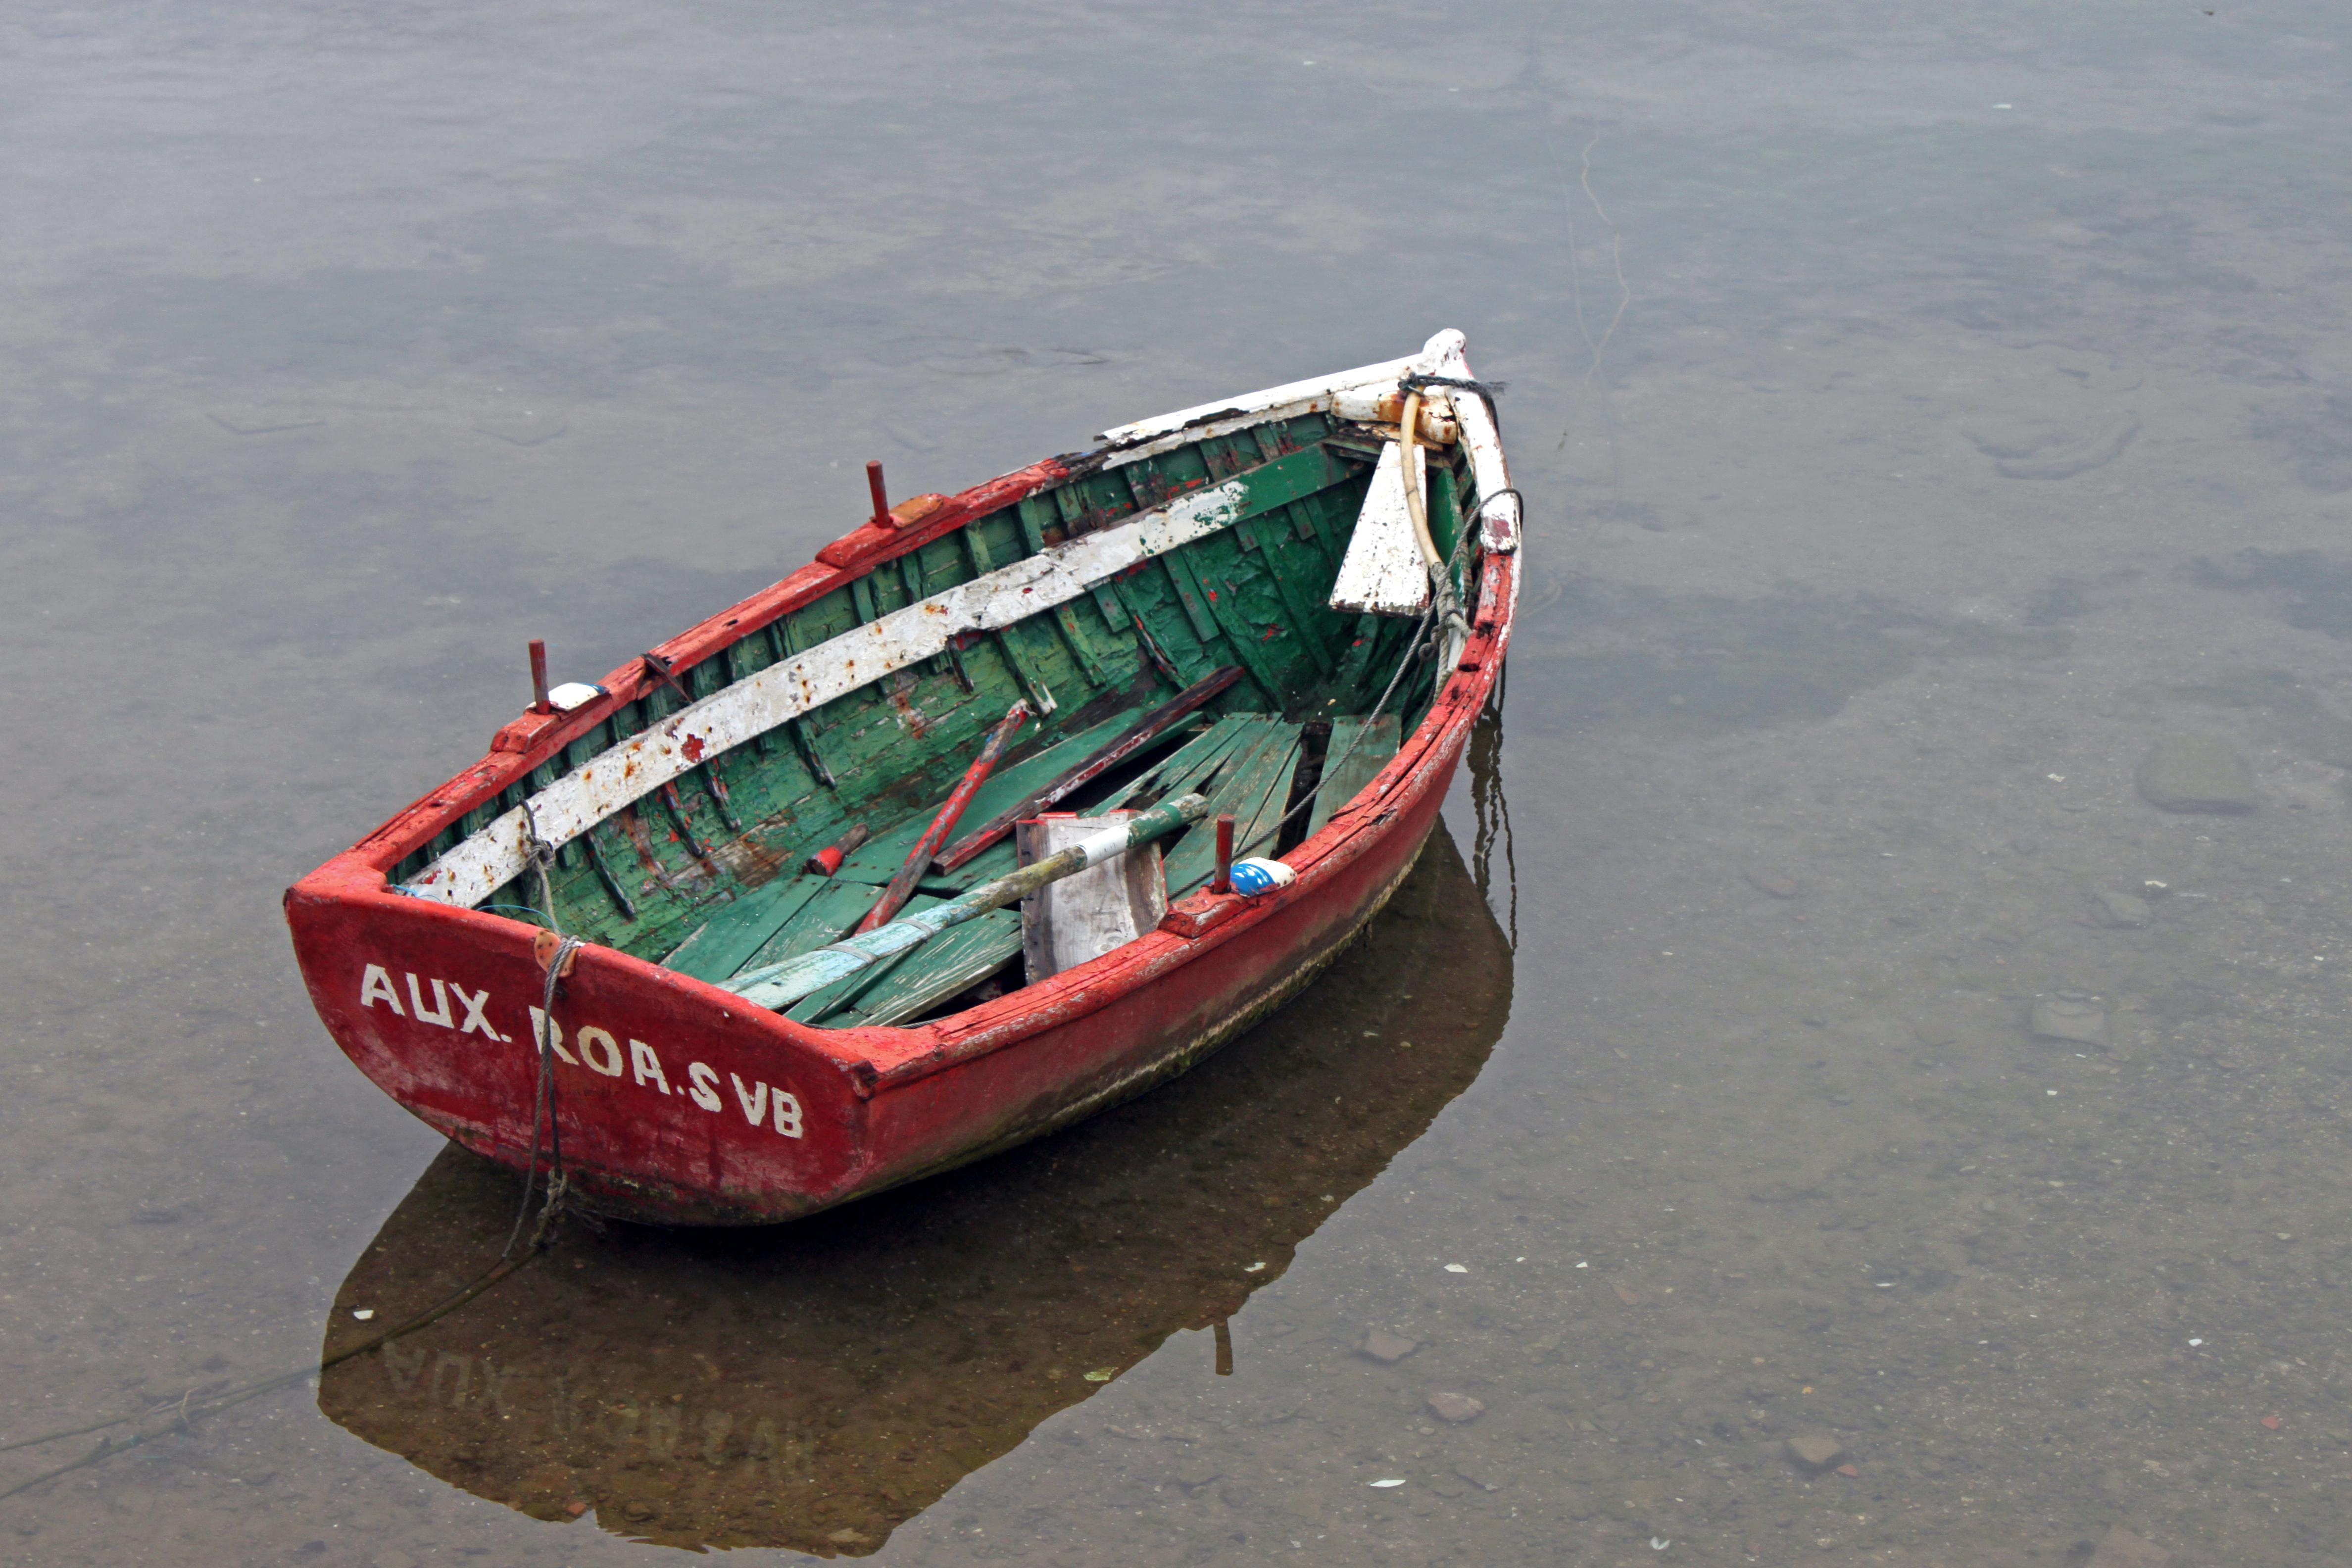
x,y
1226,601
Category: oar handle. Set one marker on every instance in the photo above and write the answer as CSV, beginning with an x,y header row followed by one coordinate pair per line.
x,y
1092,851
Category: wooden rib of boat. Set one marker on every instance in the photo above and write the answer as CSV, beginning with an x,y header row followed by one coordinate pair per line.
x,y
1164,606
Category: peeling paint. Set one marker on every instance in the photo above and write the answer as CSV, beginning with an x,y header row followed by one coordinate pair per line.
x,y
484,862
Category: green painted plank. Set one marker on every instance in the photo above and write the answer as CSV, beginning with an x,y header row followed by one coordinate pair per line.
x,y
1007,641
1303,614
1254,789
845,992
825,917
1034,513
720,944
1188,594
948,963
1247,650
1355,769
1193,762
1177,660
1358,661
1332,517
785,633
997,860
1301,518
1113,613
879,859
1445,516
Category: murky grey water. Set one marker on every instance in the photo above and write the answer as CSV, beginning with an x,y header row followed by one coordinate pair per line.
x,y
1970,415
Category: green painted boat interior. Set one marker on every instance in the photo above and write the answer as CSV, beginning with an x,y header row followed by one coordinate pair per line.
x,y
708,874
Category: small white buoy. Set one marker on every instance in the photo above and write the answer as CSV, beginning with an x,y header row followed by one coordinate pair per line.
x,y
1254,876
572,694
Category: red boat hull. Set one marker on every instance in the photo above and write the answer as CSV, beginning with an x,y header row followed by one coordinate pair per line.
x,y
677,1103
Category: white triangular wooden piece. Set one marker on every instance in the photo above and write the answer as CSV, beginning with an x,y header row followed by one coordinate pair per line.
x,y
1383,573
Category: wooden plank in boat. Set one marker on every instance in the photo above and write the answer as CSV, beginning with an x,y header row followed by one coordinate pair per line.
x,y
1193,763
1383,573
882,856
936,970
1255,785
987,865
825,917
1304,615
1078,919
845,992
1355,769
719,947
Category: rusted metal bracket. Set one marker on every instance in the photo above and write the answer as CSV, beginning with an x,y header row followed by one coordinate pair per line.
x,y
665,671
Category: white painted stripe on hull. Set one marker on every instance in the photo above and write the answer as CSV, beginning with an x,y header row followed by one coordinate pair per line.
x,y
473,870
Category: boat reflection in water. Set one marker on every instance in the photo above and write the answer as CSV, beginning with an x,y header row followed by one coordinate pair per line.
x,y
814,1385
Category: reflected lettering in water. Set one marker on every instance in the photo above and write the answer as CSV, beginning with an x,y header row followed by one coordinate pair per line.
x,y
817,1385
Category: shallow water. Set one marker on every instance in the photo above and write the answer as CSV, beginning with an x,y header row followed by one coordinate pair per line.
x,y
1922,412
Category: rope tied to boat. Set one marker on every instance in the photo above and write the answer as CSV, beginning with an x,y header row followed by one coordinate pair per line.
x,y
1486,390
557,952
556,957
558,961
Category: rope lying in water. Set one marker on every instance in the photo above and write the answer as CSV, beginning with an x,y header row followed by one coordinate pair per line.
x,y
188,1409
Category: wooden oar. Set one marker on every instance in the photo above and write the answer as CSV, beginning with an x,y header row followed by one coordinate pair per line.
x,y
1154,724
779,985
902,885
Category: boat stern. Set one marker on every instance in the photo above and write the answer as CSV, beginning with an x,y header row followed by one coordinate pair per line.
x,y
674,1102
